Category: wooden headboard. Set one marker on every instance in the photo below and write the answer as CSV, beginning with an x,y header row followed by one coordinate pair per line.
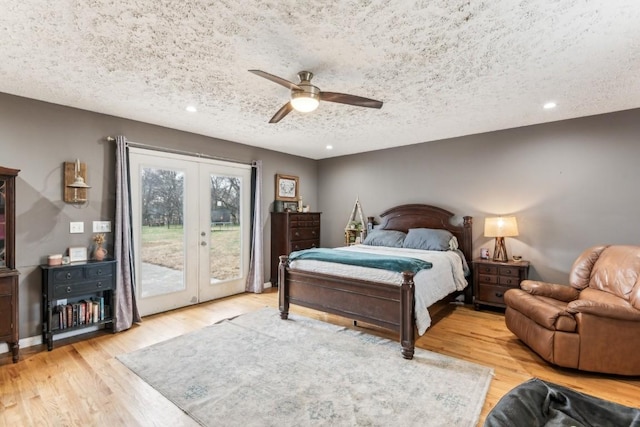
x,y
404,217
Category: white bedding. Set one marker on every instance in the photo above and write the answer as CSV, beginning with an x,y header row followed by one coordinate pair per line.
x,y
431,285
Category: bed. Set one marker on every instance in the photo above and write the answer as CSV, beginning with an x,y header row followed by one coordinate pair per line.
x,y
379,303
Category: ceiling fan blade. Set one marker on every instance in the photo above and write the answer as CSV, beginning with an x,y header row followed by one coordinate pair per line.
x,y
343,98
286,109
276,79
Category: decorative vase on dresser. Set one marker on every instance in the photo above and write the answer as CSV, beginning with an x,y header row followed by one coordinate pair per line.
x,y
8,274
292,231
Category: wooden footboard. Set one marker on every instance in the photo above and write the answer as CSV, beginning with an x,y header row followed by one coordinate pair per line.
x,y
380,304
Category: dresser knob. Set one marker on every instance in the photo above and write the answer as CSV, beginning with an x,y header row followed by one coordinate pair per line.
x,y
99,271
68,289
68,275
99,284
297,234
499,294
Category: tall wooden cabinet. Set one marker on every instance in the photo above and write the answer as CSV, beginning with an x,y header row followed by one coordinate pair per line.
x,y
292,231
8,274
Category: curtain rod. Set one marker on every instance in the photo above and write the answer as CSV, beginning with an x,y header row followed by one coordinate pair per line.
x,y
175,151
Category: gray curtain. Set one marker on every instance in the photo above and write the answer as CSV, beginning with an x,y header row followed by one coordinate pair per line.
x,y
126,309
255,279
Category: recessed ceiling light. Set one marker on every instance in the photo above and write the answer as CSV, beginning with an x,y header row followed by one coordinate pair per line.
x,y
549,105
191,109
329,147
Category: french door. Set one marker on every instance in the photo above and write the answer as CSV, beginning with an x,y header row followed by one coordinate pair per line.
x,y
191,228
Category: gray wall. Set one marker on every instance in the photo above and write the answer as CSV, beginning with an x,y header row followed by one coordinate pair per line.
x,y
571,184
38,137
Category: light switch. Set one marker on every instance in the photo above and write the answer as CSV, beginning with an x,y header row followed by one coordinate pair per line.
x,y
76,227
102,226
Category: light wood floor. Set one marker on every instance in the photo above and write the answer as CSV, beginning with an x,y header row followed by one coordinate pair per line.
x,y
80,383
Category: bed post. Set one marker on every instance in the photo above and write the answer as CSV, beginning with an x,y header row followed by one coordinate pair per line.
x,y
407,331
468,222
283,290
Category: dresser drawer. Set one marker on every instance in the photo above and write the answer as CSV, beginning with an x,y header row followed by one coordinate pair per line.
x,y
491,294
97,271
65,276
305,220
5,287
79,289
304,233
304,244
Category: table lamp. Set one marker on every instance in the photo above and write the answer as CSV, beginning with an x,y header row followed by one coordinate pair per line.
x,y
500,227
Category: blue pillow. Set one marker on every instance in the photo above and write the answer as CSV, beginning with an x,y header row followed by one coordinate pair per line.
x,y
389,238
428,239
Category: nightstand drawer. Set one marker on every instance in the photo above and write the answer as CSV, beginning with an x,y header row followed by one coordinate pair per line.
x,y
491,294
487,269
509,271
509,281
487,279
304,244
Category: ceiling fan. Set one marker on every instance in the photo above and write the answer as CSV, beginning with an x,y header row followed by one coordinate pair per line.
x,y
305,97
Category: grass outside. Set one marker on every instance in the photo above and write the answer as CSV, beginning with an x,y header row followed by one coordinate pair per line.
x,y
165,247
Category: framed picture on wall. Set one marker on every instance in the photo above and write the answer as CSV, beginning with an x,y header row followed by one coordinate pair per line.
x,y
287,188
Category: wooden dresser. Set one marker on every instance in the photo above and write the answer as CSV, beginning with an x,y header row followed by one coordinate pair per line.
x,y
491,280
292,231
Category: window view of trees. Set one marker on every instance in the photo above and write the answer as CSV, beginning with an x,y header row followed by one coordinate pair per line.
x,y
162,211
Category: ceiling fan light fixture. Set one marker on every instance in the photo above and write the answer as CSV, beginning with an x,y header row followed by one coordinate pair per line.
x,y
304,102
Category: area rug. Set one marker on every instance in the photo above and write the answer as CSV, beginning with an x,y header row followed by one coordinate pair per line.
x,y
259,370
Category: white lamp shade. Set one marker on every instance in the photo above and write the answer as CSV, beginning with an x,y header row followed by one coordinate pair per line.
x,y
503,226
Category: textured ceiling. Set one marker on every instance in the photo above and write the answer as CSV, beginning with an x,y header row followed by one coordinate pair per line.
x,y
443,68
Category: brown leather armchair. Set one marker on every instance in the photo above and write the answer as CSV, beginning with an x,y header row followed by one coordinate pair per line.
x,y
594,323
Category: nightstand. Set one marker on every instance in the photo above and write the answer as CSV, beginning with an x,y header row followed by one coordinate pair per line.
x,y
491,279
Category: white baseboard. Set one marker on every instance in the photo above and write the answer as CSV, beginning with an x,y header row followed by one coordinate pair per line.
x,y
37,340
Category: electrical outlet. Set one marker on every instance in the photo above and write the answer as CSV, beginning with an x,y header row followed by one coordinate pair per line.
x,y
102,226
76,227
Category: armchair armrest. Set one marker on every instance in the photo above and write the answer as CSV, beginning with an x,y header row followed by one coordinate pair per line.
x,y
541,310
552,290
603,309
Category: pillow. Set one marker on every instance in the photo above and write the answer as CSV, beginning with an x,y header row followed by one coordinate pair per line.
x,y
428,239
389,238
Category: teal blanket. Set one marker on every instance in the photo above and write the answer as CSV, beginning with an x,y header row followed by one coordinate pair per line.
x,y
386,262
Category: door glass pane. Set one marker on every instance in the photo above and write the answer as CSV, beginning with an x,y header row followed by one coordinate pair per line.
x,y
224,254
162,235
